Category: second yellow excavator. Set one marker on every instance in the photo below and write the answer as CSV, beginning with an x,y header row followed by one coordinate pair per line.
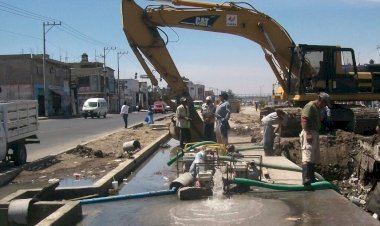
x,y
301,70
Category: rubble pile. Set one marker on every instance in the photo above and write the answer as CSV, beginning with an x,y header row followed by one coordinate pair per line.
x,y
354,190
87,152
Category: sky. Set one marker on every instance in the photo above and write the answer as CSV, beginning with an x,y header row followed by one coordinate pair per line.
x,y
218,61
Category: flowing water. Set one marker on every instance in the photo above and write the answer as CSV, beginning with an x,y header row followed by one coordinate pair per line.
x,y
218,209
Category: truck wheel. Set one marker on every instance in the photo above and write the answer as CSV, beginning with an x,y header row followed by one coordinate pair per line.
x,y
19,154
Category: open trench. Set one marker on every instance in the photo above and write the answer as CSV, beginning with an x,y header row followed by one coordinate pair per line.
x,y
346,160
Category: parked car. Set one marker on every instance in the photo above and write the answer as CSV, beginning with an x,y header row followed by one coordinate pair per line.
x,y
159,108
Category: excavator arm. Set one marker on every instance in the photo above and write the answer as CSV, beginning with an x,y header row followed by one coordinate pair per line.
x,y
141,28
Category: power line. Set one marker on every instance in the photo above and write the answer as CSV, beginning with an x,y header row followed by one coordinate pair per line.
x,y
65,27
15,33
28,36
21,12
82,36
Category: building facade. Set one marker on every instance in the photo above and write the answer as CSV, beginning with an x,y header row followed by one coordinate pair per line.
x,y
129,92
196,91
93,80
21,77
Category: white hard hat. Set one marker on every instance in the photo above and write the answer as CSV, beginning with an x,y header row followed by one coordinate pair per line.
x,y
208,98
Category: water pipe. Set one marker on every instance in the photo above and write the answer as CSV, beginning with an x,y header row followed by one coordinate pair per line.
x,y
129,196
258,147
174,159
320,185
273,166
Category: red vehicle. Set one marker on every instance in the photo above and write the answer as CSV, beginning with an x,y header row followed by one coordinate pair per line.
x,y
159,108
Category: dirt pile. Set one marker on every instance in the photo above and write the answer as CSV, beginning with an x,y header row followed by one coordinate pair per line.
x,y
87,152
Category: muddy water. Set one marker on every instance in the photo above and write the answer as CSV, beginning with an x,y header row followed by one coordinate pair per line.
x,y
153,174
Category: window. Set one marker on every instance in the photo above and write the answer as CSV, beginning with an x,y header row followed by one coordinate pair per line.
x,y
84,81
92,104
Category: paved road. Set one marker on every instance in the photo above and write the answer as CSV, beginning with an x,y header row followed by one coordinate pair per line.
x,y
58,135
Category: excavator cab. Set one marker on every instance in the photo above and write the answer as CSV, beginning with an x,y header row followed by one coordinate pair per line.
x,y
329,69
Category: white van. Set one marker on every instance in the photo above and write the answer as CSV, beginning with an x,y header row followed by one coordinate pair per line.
x,y
95,107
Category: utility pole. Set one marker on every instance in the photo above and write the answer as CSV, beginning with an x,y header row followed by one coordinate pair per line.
x,y
105,69
119,55
46,86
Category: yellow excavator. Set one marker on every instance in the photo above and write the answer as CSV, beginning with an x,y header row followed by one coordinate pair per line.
x,y
301,70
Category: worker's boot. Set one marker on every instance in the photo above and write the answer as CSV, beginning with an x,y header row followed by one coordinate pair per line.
x,y
312,172
306,180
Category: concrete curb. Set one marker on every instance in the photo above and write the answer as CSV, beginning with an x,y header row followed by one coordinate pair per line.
x,y
46,161
9,175
101,186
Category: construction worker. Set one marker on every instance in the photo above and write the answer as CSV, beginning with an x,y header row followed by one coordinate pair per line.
x,y
222,115
183,122
309,136
278,117
208,115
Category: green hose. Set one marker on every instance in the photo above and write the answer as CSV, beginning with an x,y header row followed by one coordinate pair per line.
x,y
258,147
273,166
320,185
172,160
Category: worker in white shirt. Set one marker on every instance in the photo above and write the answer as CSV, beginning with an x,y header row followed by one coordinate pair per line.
x,y
279,118
124,112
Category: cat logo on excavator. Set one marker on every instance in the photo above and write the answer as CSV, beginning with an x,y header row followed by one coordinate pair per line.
x,y
201,21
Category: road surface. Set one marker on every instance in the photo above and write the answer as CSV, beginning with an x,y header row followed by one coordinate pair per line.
x,y
59,135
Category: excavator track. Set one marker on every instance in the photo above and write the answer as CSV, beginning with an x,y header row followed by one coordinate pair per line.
x,y
362,121
357,119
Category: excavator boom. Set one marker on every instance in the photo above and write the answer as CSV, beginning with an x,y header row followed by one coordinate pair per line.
x,y
141,28
302,71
